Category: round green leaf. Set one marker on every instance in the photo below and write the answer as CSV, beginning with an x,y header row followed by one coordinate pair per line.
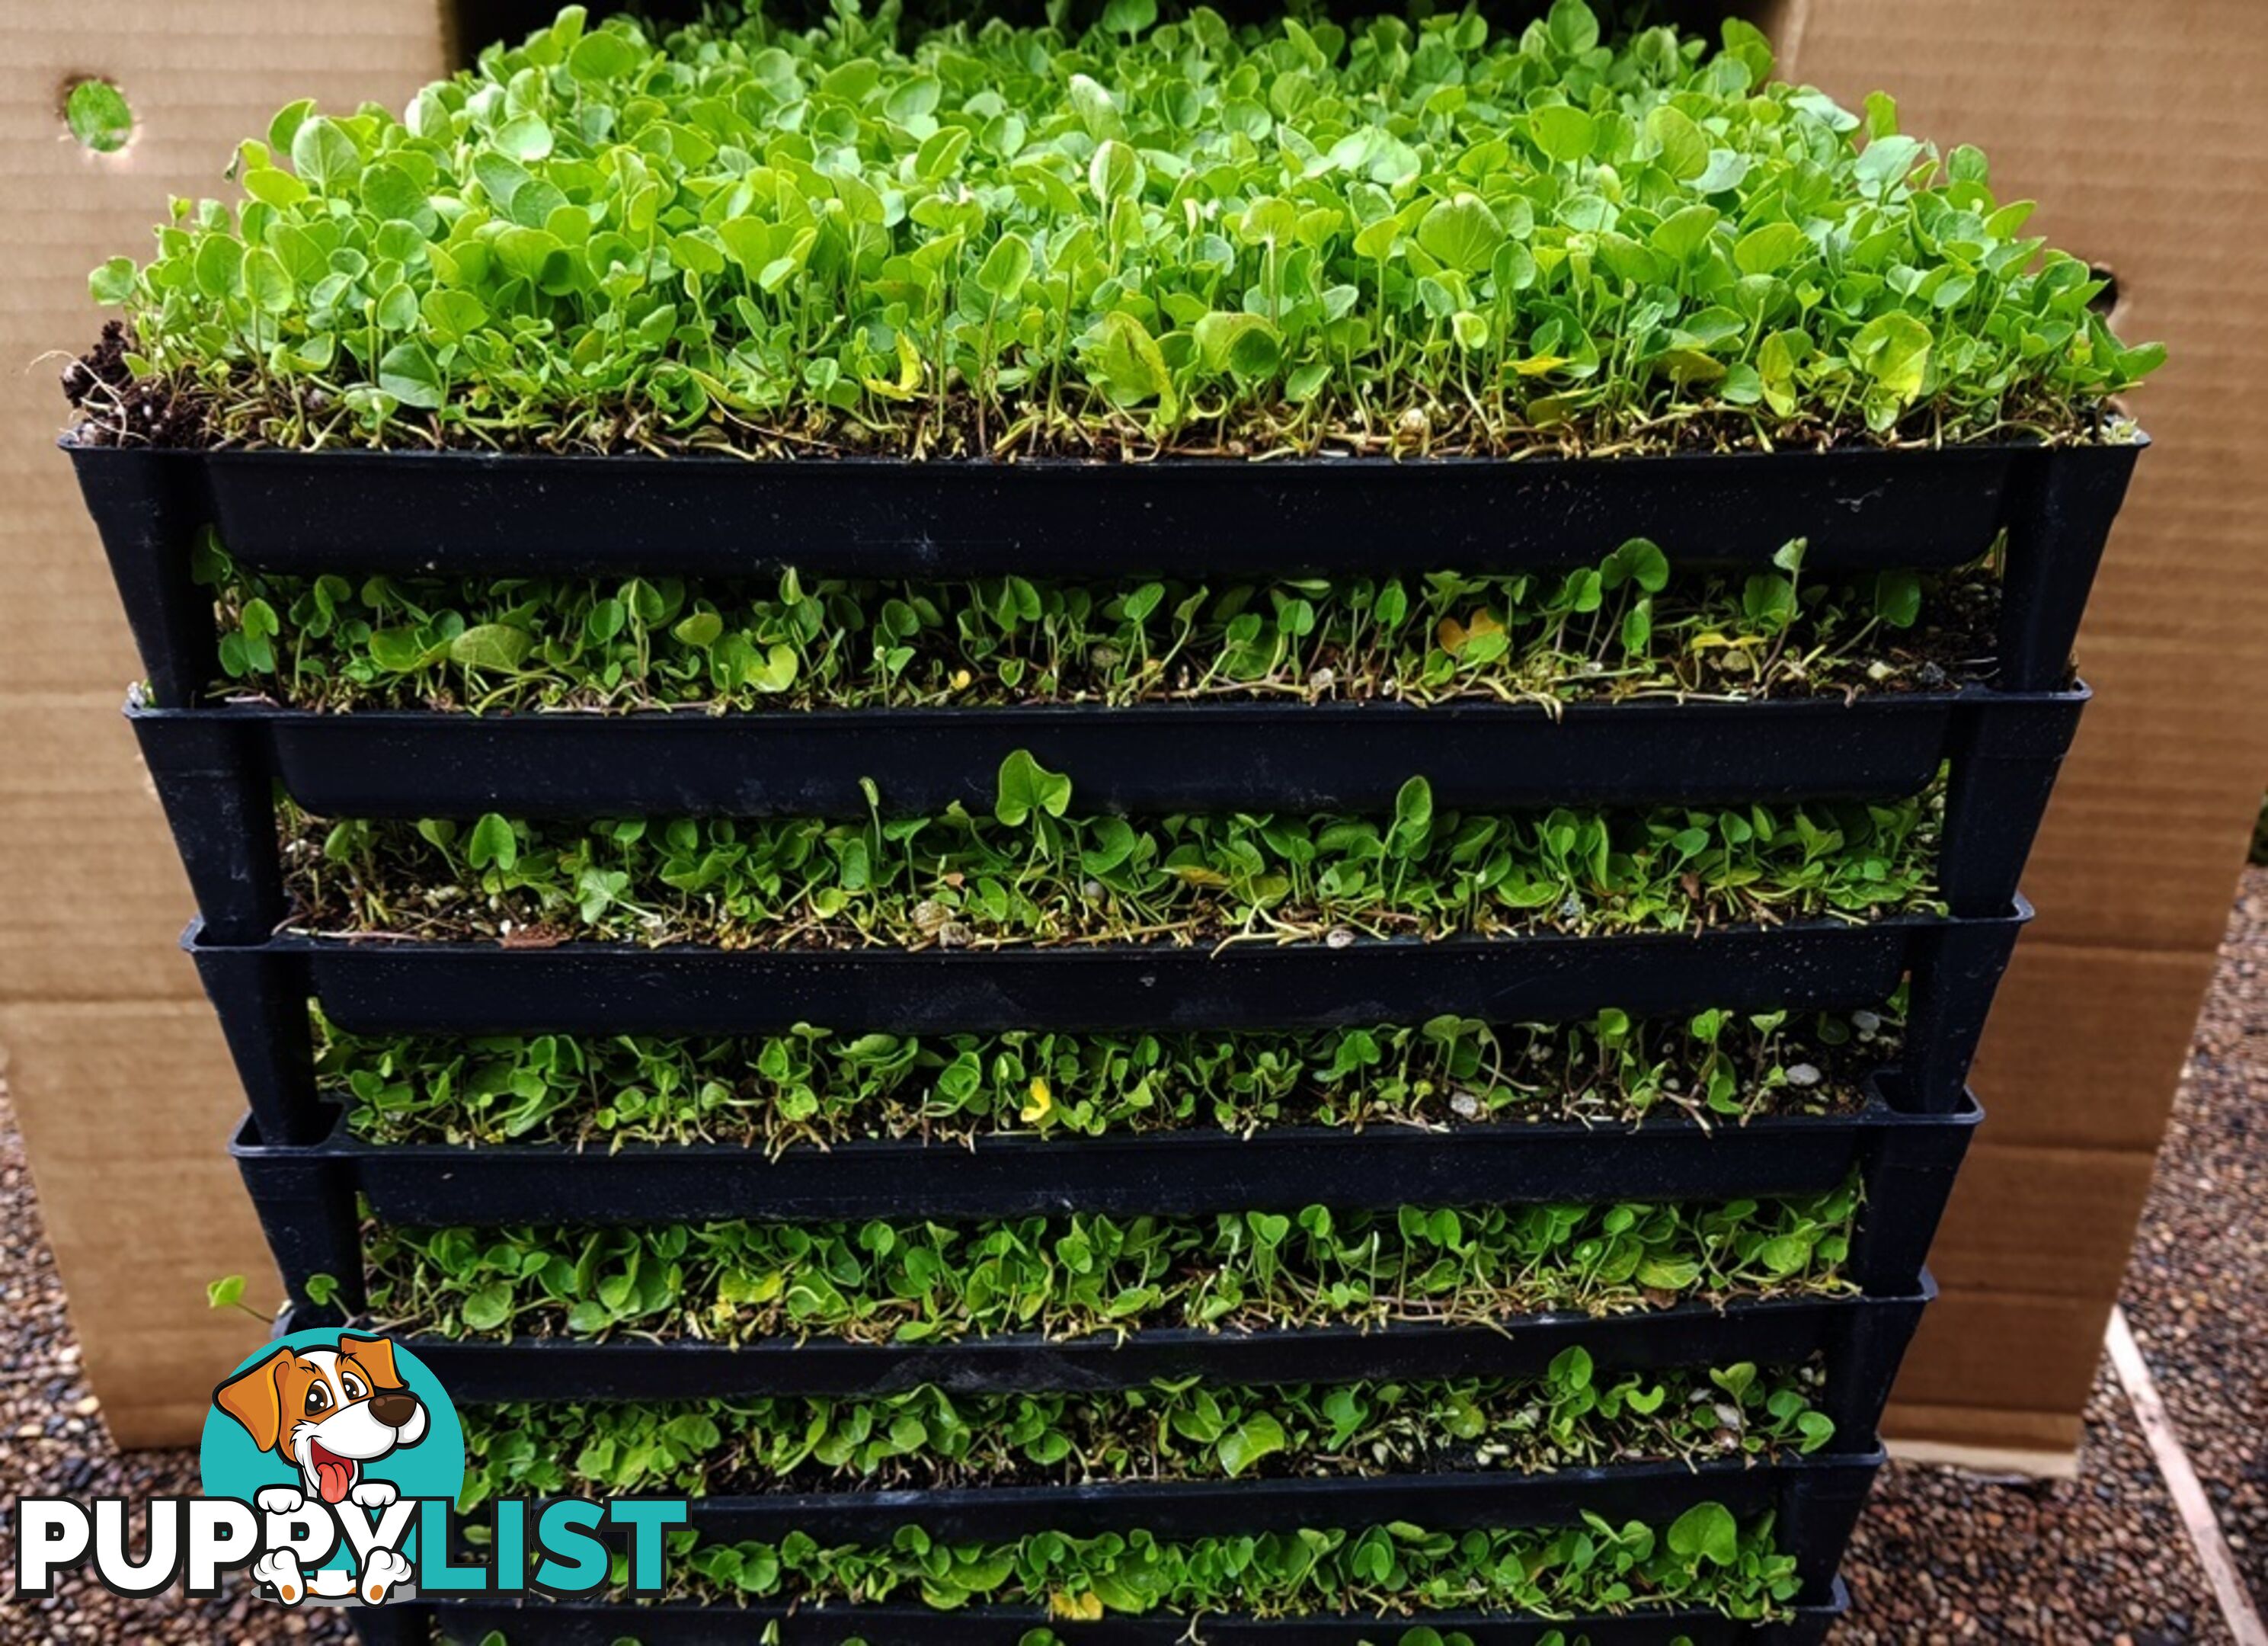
x,y
219,266
1706,1532
1685,146
1563,132
1460,232
1115,173
492,842
406,372
1770,249
489,1306
1250,1440
525,138
323,155
1006,267
266,282
494,646
1025,787
601,56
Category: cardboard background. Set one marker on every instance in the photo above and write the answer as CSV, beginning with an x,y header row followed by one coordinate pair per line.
x,y
2102,111
113,1064
2129,124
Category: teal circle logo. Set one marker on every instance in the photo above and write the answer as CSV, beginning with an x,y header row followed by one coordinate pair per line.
x,y
338,1416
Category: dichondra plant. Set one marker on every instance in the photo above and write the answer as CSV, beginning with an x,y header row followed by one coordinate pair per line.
x,y
908,1280
1174,236
927,1438
1621,630
809,1086
1704,1557
1034,873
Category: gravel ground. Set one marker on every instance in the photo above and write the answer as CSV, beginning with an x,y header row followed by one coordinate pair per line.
x,y
2195,1293
52,1442
1944,1557
1940,1558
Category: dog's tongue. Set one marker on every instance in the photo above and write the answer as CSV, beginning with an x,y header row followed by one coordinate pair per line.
x,y
333,1476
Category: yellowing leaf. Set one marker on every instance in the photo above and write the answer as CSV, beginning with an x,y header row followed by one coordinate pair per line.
x,y
909,373
1894,350
1080,1608
1132,365
1537,365
1041,1105
1454,636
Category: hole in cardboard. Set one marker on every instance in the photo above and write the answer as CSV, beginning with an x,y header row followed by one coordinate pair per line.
x,y
2105,302
96,115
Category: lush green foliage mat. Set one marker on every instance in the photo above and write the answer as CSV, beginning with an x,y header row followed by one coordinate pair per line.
x,y
928,1437
1622,630
1177,236
1705,1558
909,1281
811,1086
1032,873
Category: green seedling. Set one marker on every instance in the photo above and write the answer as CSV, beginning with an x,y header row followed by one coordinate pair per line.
x,y
228,1293
1033,873
1188,237
812,1087
1705,1559
1624,630
927,1439
915,1281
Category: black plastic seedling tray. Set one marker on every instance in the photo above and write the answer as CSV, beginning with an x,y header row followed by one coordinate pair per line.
x,y
470,1622
1862,1339
1910,1159
311,1198
217,769
480,514
1814,1502
260,990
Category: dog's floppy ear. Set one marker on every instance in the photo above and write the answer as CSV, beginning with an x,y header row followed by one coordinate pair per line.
x,y
375,1356
254,1397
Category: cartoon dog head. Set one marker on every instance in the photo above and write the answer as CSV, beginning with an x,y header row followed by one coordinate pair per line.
x,y
326,1411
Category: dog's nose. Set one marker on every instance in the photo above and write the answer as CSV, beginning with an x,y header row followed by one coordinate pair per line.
x,y
394,1407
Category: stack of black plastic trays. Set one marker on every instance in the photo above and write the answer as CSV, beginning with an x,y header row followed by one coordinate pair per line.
x,y
218,768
